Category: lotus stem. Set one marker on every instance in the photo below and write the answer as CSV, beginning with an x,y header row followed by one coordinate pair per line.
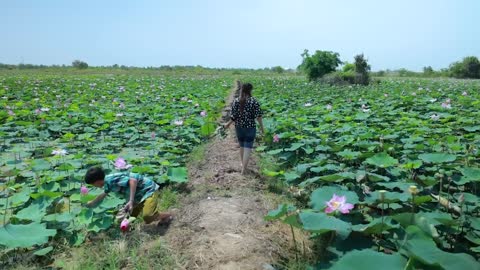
x,y
6,209
294,243
413,190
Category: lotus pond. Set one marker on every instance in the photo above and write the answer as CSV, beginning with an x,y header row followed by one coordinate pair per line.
x,y
385,176
53,128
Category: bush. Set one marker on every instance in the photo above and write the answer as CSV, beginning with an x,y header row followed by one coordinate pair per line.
x,y
469,68
335,78
79,64
343,78
321,63
278,69
348,67
428,71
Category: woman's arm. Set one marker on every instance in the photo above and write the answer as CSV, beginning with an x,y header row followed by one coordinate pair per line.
x,y
132,183
97,199
227,125
260,122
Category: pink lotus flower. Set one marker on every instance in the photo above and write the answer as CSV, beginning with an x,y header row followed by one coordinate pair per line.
x,y
152,135
276,138
446,105
124,225
121,164
11,113
203,113
84,190
38,111
338,203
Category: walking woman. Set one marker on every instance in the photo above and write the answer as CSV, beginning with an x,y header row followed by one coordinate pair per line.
x,y
244,112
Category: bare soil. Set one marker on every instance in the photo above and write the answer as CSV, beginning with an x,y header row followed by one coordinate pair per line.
x,y
220,224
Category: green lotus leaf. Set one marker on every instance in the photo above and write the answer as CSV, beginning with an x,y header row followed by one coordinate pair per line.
x,y
277,214
437,157
101,224
177,174
40,165
207,129
36,210
291,176
376,226
63,217
294,146
24,235
471,174
472,128
337,177
368,259
43,251
421,247
321,222
382,160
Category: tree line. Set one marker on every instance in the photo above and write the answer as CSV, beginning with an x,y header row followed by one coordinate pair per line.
x,y
324,66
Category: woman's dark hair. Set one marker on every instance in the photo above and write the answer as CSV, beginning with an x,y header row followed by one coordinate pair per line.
x,y
93,174
246,92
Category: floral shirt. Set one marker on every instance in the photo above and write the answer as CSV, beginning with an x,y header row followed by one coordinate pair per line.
x,y
119,182
251,111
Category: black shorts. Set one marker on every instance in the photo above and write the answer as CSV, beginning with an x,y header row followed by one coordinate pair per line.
x,y
246,136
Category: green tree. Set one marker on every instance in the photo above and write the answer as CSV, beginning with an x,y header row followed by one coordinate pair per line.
x,y
468,68
79,64
317,65
428,71
278,69
362,68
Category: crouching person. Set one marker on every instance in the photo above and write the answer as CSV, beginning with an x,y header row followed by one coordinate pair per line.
x,y
142,194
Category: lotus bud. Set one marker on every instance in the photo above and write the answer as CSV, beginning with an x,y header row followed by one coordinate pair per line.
x,y
84,190
382,194
413,190
461,199
124,225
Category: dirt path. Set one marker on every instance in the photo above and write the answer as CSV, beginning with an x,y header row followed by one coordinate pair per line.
x,y
220,224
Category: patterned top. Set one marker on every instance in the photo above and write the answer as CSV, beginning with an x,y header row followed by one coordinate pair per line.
x,y
118,182
251,111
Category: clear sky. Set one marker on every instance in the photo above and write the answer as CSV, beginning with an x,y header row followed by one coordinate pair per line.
x,y
248,33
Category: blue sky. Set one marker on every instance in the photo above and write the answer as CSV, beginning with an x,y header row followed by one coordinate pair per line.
x,y
248,33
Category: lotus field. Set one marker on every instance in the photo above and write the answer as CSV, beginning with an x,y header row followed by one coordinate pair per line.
x,y
53,128
385,176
